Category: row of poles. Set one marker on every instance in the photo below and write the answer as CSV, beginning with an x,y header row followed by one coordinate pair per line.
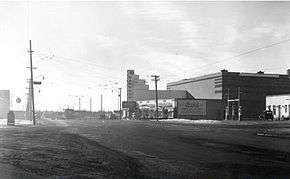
x,y
155,79
31,91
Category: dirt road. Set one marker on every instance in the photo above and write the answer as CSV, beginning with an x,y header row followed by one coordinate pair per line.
x,y
145,149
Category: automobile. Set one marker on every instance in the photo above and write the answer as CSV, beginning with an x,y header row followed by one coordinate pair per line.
x,y
266,115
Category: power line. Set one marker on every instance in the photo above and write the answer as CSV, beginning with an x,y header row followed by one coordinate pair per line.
x,y
239,55
91,66
77,60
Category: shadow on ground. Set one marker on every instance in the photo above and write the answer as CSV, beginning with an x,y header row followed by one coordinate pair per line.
x,y
54,153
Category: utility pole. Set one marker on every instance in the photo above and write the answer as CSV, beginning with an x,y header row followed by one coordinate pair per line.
x,y
228,105
101,103
120,92
239,104
31,83
90,104
156,78
79,103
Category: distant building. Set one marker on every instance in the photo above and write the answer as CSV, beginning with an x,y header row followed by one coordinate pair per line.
x,y
4,103
134,84
225,85
138,90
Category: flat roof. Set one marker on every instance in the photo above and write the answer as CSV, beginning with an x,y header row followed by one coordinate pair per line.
x,y
199,78
214,75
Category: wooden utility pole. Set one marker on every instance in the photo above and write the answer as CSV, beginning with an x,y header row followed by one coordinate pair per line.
x,y
101,103
79,103
239,103
156,78
90,104
31,83
228,105
120,93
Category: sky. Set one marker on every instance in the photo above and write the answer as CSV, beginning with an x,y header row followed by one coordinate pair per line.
x,y
83,49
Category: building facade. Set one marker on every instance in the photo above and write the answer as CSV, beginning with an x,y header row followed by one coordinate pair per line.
x,y
241,93
4,103
134,85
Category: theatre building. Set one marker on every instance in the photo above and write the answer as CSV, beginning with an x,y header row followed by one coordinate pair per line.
x,y
242,95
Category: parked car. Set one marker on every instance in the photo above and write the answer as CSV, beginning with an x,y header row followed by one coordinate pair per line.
x,y
266,115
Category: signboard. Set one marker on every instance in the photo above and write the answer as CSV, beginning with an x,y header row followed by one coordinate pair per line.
x,y
129,104
18,100
37,82
162,103
191,107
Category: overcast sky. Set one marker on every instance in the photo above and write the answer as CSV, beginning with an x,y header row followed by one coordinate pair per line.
x,y
83,47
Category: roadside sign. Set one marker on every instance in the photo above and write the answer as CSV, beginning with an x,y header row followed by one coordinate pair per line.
x,y
191,107
37,82
18,100
129,104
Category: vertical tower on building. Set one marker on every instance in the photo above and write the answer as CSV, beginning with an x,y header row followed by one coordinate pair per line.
x,y
134,84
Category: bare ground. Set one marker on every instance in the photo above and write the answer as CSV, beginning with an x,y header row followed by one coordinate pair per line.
x,y
145,149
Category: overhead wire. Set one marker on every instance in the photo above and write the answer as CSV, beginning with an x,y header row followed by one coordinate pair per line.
x,y
238,55
89,65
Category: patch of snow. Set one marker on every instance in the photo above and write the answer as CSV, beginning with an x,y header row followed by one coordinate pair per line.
x,y
3,122
201,121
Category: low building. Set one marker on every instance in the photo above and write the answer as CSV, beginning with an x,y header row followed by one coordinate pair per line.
x,y
166,107
279,105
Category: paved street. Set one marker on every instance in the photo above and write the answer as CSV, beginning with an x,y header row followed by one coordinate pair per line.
x,y
145,149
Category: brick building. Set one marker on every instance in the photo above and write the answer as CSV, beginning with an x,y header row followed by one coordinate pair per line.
x,y
226,85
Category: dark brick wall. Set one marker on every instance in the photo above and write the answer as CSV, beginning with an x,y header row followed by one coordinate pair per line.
x,y
253,91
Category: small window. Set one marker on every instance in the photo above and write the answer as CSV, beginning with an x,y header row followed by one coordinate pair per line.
x,y
285,108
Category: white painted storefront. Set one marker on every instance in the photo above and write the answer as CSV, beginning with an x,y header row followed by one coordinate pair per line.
x,y
279,105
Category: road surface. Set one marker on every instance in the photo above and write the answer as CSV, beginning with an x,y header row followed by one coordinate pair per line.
x,y
145,149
